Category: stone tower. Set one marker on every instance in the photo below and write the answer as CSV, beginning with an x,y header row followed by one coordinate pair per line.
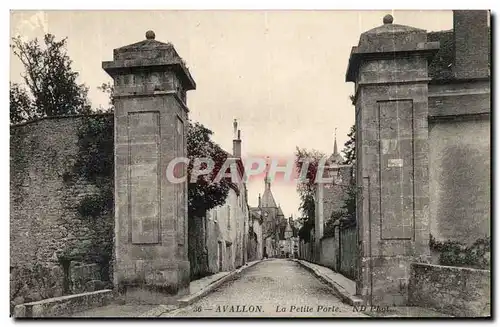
x,y
150,84
389,69
271,214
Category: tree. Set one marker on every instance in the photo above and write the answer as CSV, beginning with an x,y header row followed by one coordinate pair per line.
x,y
108,89
205,194
306,187
21,106
348,210
51,83
349,150
349,206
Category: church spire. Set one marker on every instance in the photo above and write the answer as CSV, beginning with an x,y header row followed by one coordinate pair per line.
x,y
267,181
335,158
335,150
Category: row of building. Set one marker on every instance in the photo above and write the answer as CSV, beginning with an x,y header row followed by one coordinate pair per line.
x,y
235,233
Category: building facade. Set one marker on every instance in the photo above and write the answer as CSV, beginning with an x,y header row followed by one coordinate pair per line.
x,y
227,226
289,239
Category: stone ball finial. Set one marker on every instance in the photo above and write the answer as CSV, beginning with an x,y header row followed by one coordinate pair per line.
x,y
388,19
150,35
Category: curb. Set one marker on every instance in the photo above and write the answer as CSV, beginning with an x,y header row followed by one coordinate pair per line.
x,y
158,311
339,290
203,292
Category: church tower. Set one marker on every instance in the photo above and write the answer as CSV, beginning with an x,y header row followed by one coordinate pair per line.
x,y
270,213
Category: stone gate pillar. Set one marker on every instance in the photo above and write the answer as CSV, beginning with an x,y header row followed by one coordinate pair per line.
x,y
151,248
389,69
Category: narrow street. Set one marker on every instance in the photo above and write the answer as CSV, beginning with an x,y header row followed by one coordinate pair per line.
x,y
272,288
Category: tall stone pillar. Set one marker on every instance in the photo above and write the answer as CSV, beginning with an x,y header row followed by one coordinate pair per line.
x,y
389,69
151,248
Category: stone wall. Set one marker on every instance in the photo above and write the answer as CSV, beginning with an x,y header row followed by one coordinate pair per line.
x,y
85,277
64,306
461,292
43,227
460,180
329,252
306,251
339,252
459,161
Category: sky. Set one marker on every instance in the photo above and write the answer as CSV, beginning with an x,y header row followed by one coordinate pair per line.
x,y
281,74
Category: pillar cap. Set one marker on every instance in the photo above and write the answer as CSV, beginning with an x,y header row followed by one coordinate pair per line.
x,y
388,41
149,54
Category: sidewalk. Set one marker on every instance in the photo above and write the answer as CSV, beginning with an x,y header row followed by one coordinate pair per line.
x,y
343,286
346,290
197,289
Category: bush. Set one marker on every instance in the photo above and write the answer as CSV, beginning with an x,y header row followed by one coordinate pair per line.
x,y
329,230
453,253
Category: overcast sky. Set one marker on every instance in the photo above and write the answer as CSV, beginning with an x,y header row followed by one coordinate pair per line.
x,y
280,73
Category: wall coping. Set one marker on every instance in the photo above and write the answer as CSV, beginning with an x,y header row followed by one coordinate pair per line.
x,y
36,120
45,308
65,297
450,267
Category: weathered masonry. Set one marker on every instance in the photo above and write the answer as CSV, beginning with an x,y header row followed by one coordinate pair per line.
x,y
151,248
422,121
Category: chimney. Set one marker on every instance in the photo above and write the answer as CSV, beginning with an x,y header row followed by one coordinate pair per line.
x,y
236,140
472,43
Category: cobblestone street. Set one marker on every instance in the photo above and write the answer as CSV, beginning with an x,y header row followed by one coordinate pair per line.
x,y
272,288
